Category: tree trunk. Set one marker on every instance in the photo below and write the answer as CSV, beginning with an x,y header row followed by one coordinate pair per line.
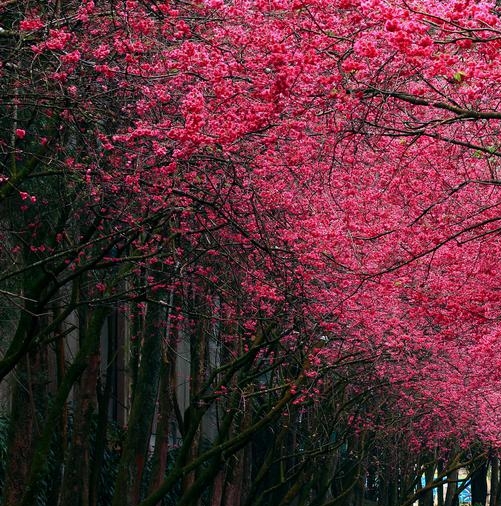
x,y
75,488
217,495
28,411
427,498
165,404
495,489
479,485
451,497
161,450
103,394
234,481
136,446
440,488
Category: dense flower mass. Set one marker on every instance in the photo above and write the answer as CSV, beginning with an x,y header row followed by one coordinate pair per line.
x,y
321,176
357,139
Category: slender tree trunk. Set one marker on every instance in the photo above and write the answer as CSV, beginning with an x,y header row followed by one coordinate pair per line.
x,y
235,480
323,479
427,498
236,471
39,467
165,404
440,488
451,498
103,398
217,495
136,446
495,489
75,487
392,493
266,465
198,357
27,413
161,450
479,486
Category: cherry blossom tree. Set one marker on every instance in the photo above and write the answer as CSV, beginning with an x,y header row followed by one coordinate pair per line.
x,y
297,198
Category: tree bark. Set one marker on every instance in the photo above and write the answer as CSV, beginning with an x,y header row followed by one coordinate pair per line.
x,y
451,497
427,498
495,489
75,487
28,411
136,446
479,485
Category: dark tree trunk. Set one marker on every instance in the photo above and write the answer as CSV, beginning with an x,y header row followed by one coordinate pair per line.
x,y
161,450
451,497
27,413
479,485
495,489
136,447
426,498
440,488
75,488
494,481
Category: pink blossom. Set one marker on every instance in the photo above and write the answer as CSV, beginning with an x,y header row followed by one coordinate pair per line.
x,y
29,25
